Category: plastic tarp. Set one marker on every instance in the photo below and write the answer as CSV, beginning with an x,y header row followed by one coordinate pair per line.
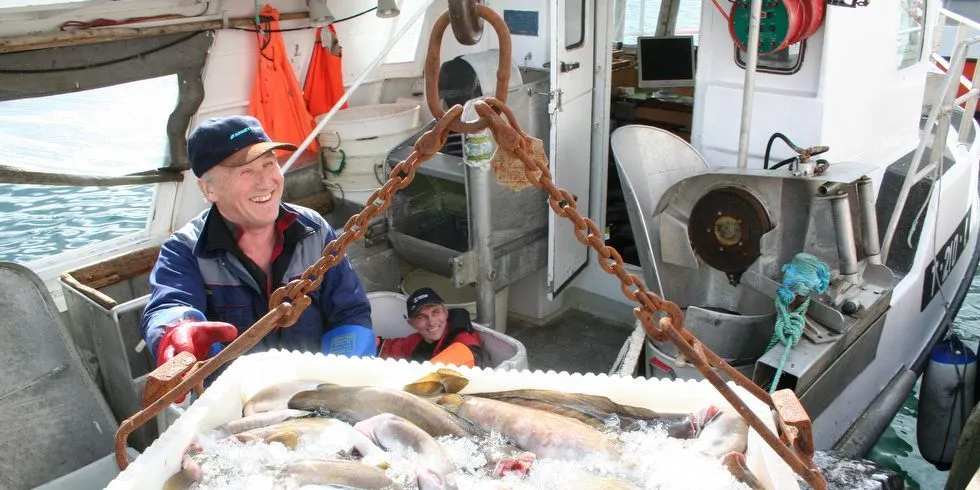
x,y
277,99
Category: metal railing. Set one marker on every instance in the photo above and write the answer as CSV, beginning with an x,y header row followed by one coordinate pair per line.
x,y
940,114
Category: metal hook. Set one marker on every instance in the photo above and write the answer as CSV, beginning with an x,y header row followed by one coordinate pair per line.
x,y
467,24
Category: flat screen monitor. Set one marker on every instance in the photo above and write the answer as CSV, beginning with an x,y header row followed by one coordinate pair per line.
x,y
665,61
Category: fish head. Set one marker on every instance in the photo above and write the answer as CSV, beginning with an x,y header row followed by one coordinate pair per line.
x,y
706,417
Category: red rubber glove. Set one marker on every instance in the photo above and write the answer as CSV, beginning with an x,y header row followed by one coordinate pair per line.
x,y
195,337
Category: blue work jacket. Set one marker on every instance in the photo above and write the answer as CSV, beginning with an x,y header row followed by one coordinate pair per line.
x,y
202,274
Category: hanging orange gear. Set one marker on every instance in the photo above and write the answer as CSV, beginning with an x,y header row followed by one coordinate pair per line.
x,y
324,84
277,100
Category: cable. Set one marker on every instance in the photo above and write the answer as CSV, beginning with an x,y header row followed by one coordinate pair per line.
x,y
782,163
765,161
290,29
103,63
103,22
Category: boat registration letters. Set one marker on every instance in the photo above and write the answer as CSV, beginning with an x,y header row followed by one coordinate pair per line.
x,y
942,265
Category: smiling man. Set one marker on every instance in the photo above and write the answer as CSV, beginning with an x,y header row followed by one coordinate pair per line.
x,y
214,276
441,334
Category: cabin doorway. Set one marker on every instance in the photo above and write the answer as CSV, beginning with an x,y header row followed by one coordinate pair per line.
x,y
654,59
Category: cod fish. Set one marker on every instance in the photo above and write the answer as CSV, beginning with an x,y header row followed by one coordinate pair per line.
x,y
289,433
546,434
336,474
398,435
442,381
721,432
255,421
357,403
735,462
596,410
189,474
276,397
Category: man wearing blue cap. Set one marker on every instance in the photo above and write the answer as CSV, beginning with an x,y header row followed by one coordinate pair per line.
x,y
214,276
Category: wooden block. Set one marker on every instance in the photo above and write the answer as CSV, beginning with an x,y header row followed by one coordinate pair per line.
x,y
164,378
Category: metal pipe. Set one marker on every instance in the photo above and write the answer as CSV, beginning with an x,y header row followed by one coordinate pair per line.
x,y
869,221
840,207
868,428
478,151
751,62
357,83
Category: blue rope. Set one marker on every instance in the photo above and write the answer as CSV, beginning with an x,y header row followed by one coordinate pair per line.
x,y
805,274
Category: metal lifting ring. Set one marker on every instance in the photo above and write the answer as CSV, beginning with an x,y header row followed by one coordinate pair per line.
x,y
432,66
467,24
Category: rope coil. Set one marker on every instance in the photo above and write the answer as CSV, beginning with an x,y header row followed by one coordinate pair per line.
x,y
804,275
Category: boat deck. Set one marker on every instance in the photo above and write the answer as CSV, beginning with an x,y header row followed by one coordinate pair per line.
x,y
574,341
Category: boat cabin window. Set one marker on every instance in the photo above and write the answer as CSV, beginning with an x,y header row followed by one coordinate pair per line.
x,y
645,18
574,24
910,34
403,51
115,130
783,62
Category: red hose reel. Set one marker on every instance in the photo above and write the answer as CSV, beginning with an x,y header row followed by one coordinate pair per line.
x,y
783,23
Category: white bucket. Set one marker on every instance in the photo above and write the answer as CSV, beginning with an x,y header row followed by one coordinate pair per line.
x,y
358,179
388,321
464,297
365,146
369,121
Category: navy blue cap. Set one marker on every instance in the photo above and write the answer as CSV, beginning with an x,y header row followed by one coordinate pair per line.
x,y
420,298
229,141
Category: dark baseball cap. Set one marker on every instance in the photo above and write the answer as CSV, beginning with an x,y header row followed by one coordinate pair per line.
x,y
420,298
228,141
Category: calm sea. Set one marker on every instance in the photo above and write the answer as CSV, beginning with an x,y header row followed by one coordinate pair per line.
x,y
121,130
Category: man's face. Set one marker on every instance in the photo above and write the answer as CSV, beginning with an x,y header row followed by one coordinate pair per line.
x,y
430,322
249,195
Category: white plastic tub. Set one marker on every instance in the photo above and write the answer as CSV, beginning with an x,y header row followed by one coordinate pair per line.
x,y
365,146
388,320
464,297
368,121
223,402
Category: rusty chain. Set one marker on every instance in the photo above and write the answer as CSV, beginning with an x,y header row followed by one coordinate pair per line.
x,y
289,301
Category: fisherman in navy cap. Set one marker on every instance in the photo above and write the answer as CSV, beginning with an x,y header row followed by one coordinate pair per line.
x,y
441,334
215,275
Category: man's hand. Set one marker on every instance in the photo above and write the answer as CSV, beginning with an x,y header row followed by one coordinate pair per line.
x,y
195,337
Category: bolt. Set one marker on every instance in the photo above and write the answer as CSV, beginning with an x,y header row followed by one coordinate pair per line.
x,y
738,220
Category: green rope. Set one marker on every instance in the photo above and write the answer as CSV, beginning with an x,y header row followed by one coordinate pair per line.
x,y
805,274
258,22
343,161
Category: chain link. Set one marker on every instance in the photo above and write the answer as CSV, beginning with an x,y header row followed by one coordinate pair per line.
x,y
512,139
296,291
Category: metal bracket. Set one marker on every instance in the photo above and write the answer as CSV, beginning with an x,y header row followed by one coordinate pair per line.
x,y
464,269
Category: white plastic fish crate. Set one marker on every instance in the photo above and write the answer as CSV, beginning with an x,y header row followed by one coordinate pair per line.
x,y
223,401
